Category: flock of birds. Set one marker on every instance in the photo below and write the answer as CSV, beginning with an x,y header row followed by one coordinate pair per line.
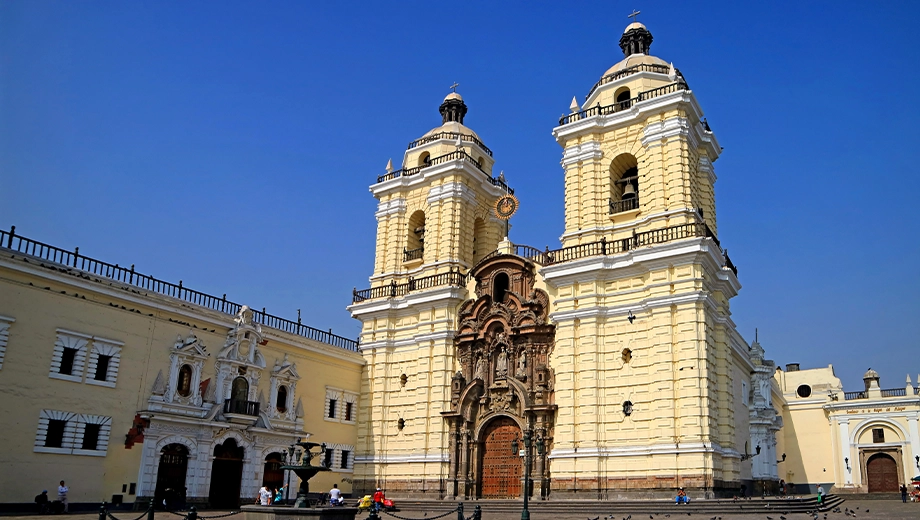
x,y
814,514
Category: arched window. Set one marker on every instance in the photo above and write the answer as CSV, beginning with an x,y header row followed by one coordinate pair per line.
x,y
240,389
184,382
272,474
479,161
424,159
622,99
415,241
624,183
500,287
281,399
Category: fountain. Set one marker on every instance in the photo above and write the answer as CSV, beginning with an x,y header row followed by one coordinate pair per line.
x,y
300,455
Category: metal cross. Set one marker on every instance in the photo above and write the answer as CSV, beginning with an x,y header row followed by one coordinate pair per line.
x,y
634,15
454,86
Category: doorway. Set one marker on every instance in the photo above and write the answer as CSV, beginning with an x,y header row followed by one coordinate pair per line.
x,y
882,474
500,468
226,475
170,489
273,475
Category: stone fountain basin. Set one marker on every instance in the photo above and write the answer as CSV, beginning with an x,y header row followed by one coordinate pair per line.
x,y
254,512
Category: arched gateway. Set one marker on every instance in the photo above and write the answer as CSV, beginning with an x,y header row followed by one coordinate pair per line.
x,y
504,383
882,474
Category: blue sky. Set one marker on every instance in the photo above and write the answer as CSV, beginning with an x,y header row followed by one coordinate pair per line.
x,y
230,145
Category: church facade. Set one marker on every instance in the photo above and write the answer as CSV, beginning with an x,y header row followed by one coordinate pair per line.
x,y
615,356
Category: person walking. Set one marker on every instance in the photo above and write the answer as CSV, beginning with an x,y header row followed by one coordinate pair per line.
x,y
820,495
903,493
378,499
62,496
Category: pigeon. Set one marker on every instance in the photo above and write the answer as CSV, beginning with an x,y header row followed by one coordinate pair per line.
x,y
782,517
769,518
595,518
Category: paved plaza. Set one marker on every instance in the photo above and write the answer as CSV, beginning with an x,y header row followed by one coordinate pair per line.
x,y
864,509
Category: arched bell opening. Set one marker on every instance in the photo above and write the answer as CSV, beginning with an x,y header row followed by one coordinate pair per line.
x,y
624,183
415,237
622,98
424,160
500,285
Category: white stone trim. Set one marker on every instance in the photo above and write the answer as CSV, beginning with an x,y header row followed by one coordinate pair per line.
x,y
450,190
74,430
336,395
400,459
581,152
390,207
705,167
336,460
103,347
433,173
71,340
5,323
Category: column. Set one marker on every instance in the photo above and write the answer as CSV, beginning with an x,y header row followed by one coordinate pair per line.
x,y
845,452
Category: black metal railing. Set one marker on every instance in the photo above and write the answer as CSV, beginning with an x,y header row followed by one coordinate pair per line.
x,y
413,254
619,206
393,289
895,392
891,392
453,137
623,105
628,71
849,396
457,155
73,259
238,406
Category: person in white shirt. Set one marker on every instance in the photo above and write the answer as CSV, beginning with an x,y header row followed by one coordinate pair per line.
x,y
335,495
265,496
62,496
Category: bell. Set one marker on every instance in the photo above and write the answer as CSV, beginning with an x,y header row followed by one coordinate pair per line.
x,y
629,191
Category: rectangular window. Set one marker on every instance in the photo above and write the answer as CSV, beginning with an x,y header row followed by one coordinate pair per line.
x,y
102,368
345,455
332,405
348,407
91,436
878,435
327,459
133,488
55,436
67,358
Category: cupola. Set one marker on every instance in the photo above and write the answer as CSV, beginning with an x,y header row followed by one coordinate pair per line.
x,y
452,109
636,39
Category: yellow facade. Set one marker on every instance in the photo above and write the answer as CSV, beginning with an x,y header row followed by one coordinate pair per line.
x,y
865,441
47,308
651,383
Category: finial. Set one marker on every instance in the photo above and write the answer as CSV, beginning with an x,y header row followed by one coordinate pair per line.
x,y
501,175
454,86
672,73
756,335
574,106
389,170
634,14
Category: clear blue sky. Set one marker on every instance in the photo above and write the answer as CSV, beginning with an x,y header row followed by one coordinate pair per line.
x,y
230,144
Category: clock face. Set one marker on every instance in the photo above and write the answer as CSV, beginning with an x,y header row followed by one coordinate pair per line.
x,y
506,206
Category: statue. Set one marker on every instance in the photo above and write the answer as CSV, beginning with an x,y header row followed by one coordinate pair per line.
x,y
501,366
480,368
522,366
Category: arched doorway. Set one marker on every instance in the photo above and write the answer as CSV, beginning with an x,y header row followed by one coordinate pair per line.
x,y
273,475
171,477
226,475
882,474
500,468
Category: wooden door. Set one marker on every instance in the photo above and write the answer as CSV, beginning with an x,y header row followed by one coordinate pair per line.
x,y
500,467
882,474
226,476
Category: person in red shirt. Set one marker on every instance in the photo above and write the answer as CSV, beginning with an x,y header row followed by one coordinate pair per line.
x,y
378,499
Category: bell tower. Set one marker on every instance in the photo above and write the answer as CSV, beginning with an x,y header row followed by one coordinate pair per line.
x,y
434,223
646,356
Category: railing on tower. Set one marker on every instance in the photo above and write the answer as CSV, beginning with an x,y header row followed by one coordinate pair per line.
x,y
73,259
623,105
628,71
457,155
619,206
452,136
413,254
554,256
241,407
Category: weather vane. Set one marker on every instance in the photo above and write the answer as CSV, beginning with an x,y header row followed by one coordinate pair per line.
x,y
634,15
454,86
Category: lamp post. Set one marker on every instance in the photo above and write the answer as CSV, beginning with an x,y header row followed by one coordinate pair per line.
x,y
291,459
528,460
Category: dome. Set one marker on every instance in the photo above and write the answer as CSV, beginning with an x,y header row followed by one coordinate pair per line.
x,y
451,126
454,95
870,374
636,59
634,25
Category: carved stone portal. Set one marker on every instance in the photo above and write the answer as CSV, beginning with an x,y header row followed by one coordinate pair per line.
x,y
503,345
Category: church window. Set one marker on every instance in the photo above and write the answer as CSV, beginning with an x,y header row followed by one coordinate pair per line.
x,y
327,458
878,435
803,391
55,436
184,383
624,184
346,455
622,99
67,359
102,368
348,411
281,399
424,159
415,241
91,436
240,389
479,161
333,403
500,286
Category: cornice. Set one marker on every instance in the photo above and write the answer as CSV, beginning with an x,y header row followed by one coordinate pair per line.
x,y
390,207
450,190
581,152
446,295
613,85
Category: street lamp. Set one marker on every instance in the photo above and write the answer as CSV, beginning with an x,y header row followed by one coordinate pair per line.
x,y
528,459
291,458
